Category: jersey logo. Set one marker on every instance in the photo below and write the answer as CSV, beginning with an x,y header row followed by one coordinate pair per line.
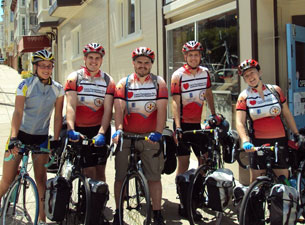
x,y
274,110
21,85
98,102
186,86
80,88
201,95
252,102
130,94
150,107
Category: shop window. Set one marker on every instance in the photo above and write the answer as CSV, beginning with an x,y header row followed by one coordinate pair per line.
x,y
219,37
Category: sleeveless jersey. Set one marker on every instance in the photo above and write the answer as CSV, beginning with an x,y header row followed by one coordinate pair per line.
x,y
192,89
39,103
265,114
141,99
91,92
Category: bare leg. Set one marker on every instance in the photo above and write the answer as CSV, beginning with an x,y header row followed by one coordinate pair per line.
x,y
183,164
155,190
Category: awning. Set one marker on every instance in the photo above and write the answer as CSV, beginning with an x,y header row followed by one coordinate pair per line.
x,y
33,43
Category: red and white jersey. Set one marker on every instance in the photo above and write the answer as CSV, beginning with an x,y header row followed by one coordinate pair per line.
x,y
91,92
192,89
141,108
265,114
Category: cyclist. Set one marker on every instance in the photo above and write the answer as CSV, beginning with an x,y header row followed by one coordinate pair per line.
x,y
190,86
89,93
35,99
264,108
141,110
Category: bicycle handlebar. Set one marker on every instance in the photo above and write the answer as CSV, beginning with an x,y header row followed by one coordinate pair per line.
x,y
34,149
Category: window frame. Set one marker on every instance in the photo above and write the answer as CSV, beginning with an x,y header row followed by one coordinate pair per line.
x,y
64,49
22,26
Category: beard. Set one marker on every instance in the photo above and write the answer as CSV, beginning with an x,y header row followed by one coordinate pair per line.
x,y
142,73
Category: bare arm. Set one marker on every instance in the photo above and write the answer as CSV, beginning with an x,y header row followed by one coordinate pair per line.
x,y
176,108
71,108
119,107
241,125
108,103
58,116
210,100
161,114
289,118
17,115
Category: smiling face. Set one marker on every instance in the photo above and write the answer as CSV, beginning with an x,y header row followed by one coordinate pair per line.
x,y
193,58
93,62
142,66
252,77
44,69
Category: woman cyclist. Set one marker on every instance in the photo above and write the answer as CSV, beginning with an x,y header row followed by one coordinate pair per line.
x,y
265,104
35,99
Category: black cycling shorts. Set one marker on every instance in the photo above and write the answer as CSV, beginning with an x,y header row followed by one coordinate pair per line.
x,y
31,139
90,157
259,162
199,142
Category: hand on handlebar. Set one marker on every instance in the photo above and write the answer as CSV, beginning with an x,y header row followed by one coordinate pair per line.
x,y
73,135
116,136
155,136
14,146
300,139
99,140
248,146
179,133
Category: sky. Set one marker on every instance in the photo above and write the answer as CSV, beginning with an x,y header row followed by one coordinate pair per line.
x,y
1,12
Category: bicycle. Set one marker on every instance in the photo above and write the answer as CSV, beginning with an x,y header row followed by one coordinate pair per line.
x,y
78,208
260,189
21,203
134,201
197,198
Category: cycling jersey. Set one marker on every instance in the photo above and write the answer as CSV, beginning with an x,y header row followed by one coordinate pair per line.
x,y
192,89
91,92
265,114
38,105
141,100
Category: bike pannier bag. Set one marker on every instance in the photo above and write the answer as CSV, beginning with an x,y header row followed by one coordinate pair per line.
x,y
284,205
255,213
169,151
58,191
99,197
220,186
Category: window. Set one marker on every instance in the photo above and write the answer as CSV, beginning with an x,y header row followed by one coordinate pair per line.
x,y
219,36
12,35
23,25
76,42
50,2
130,17
22,3
11,16
64,48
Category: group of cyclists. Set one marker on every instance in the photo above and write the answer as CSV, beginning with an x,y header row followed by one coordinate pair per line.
x,y
140,104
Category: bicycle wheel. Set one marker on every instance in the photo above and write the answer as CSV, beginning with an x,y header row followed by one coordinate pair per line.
x,y
134,200
301,185
21,203
254,207
78,211
197,197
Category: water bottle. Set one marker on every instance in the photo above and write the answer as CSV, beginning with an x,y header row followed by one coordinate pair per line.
x,y
284,180
293,182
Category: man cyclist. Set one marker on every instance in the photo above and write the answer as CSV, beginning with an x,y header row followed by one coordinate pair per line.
x,y
36,97
190,86
141,111
264,107
89,93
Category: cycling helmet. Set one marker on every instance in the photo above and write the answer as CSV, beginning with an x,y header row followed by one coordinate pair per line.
x,y
247,64
42,55
143,51
94,48
192,46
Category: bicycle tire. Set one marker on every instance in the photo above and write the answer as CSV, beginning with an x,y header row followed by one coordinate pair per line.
x,y
197,196
78,208
134,202
21,206
256,201
301,185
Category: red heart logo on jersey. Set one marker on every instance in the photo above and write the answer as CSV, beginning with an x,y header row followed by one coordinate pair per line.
x,y
80,88
186,86
253,102
130,94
